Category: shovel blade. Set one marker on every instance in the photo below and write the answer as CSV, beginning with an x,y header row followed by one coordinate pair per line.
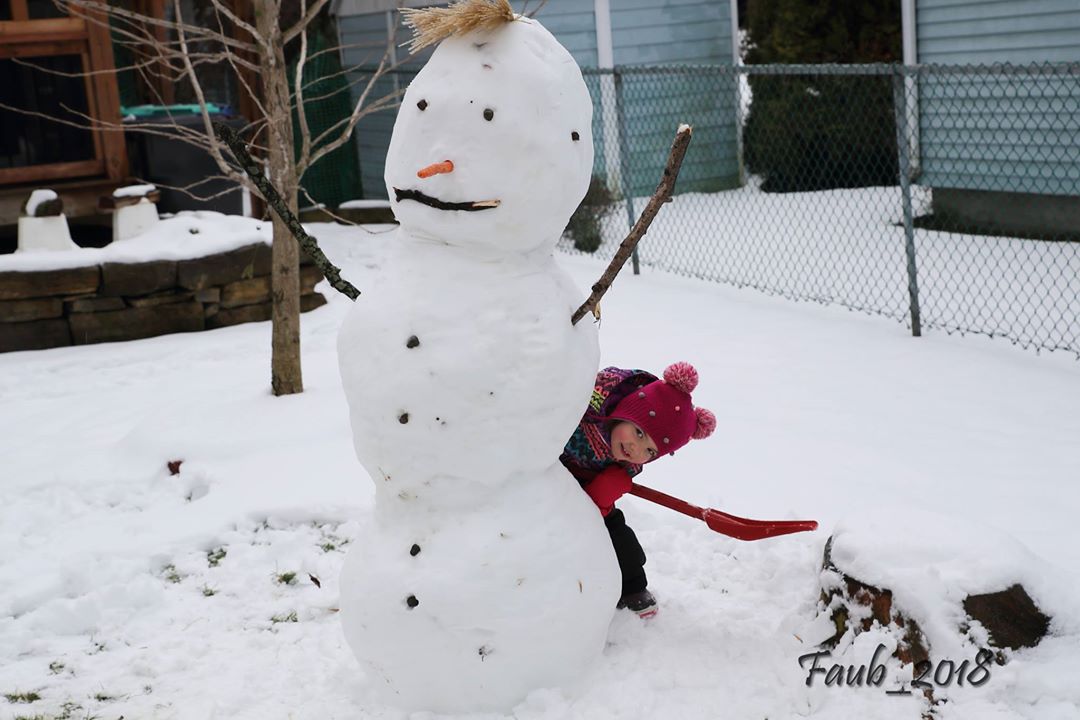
x,y
745,529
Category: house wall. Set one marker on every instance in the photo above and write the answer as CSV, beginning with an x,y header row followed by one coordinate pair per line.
x,y
998,31
998,131
677,32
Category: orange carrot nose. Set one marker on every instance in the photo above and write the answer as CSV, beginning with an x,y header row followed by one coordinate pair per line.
x,y
436,169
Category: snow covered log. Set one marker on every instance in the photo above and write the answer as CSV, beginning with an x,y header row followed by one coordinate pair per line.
x,y
944,590
855,607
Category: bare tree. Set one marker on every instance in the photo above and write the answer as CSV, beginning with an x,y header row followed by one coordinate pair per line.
x,y
248,40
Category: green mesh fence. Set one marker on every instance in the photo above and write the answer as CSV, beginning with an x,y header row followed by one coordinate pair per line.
x,y
945,197
335,178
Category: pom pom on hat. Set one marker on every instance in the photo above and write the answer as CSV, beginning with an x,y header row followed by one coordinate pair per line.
x,y
706,423
681,376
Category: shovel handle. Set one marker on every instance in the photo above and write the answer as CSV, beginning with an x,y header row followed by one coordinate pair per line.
x,y
668,501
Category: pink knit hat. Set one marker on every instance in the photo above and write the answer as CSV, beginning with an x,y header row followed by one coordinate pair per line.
x,y
664,411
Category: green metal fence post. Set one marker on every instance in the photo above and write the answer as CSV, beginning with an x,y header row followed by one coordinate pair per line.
x,y
624,161
900,112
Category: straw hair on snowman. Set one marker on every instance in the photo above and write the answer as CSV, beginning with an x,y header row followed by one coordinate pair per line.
x,y
664,411
431,26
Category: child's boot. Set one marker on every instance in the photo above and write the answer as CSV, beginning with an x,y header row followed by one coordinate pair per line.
x,y
643,603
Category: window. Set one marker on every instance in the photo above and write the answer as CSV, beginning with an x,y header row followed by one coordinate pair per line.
x,y
55,68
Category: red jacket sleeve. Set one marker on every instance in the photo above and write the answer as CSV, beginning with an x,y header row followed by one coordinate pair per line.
x,y
611,484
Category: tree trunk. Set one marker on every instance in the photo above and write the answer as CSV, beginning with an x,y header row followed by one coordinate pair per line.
x,y
285,373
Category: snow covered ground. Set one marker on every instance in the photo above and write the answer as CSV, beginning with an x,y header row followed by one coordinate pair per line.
x,y
128,591
847,247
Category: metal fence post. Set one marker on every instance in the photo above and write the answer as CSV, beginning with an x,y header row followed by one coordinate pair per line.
x,y
903,151
624,161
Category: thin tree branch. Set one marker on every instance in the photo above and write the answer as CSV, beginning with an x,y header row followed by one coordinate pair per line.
x,y
215,150
303,22
358,112
382,103
233,59
342,220
189,188
661,196
82,73
273,199
194,31
301,113
221,9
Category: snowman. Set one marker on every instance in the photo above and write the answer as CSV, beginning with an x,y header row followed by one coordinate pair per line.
x,y
485,572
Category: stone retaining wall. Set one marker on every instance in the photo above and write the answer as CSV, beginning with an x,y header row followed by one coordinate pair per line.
x,y
119,301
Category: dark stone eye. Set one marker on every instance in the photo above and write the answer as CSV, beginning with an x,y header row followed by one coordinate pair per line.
x,y
422,105
489,114
574,136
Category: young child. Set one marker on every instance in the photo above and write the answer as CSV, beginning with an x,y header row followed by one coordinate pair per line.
x,y
633,418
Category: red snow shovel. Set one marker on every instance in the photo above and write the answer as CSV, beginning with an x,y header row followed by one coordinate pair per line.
x,y
723,523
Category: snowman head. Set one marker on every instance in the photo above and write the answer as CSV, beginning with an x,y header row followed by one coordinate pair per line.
x,y
492,148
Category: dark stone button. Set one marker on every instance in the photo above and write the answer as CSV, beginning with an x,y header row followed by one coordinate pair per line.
x,y
414,550
412,342
403,418
411,601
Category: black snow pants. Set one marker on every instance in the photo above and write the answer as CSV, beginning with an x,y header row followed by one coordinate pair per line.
x,y
629,552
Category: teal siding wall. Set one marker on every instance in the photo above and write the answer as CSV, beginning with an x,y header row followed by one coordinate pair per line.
x,y
1000,131
677,32
573,23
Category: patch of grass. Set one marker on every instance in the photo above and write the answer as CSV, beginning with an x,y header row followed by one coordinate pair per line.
x,y
22,697
170,574
286,578
56,667
67,710
98,647
215,556
328,547
290,617
208,591
103,697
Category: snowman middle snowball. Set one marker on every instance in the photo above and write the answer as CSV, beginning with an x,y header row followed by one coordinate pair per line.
x,y
484,572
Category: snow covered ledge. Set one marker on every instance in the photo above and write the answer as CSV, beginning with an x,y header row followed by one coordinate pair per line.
x,y
935,589
194,271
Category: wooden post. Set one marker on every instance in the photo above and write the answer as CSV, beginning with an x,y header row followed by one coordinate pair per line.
x,y
106,92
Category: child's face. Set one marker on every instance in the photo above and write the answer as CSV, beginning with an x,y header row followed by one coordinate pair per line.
x,y
631,444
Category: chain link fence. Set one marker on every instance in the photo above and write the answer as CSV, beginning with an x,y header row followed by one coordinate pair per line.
x,y
942,196
945,197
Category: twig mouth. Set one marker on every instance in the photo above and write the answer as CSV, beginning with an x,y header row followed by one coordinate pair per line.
x,y
442,205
